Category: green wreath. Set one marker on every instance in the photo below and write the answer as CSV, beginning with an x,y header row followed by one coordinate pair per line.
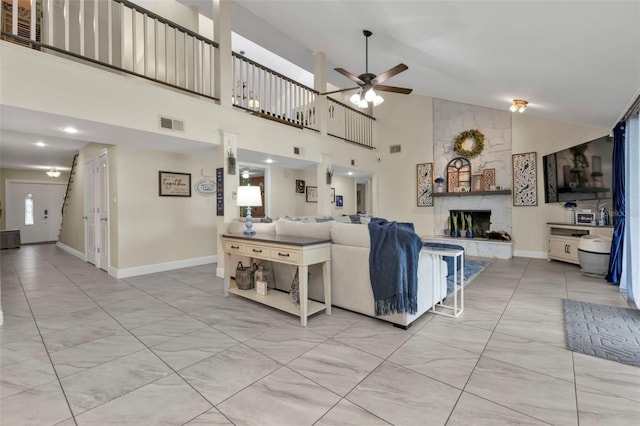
x,y
478,145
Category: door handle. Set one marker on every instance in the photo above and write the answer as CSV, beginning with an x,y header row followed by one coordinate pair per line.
x,y
104,219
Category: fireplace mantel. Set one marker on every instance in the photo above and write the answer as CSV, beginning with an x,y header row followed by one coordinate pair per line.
x,y
466,194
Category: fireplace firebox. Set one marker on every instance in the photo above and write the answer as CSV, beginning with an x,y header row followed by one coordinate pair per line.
x,y
480,221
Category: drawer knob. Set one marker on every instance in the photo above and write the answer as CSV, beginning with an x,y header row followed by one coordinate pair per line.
x,y
283,254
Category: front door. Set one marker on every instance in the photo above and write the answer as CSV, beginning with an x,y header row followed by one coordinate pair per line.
x,y
35,209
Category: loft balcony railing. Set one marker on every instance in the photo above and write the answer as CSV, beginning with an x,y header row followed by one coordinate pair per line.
x,y
117,34
123,36
272,95
349,124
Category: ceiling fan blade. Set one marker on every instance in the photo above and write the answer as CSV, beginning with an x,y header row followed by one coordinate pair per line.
x,y
341,90
390,73
394,89
349,75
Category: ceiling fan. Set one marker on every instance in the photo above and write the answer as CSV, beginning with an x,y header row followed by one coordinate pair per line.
x,y
367,81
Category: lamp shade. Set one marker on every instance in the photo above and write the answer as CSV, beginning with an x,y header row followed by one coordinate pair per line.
x,y
249,196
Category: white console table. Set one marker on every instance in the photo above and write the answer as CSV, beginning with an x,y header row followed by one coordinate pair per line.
x,y
565,238
442,306
298,251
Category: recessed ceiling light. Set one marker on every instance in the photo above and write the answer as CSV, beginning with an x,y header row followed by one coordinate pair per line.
x,y
40,143
71,130
350,173
268,160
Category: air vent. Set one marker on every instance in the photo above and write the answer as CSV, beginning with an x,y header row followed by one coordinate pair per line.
x,y
171,124
296,150
394,149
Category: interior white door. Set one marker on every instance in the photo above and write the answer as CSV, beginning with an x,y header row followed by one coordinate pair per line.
x,y
90,214
35,209
102,179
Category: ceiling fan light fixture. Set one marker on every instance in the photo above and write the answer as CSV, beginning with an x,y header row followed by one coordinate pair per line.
x,y
363,103
370,95
518,105
378,100
355,98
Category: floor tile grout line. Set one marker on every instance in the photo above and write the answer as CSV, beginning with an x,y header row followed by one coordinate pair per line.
x,y
55,370
147,347
485,346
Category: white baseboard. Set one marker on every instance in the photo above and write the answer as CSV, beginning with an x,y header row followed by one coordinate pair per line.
x,y
220,272
530,253
161,267
72,251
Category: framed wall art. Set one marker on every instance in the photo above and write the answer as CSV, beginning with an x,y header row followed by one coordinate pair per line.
x,y
312,194
300,186
339,201
489,177
424,176
525,179
173,184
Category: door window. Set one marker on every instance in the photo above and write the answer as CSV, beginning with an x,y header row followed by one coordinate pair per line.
x,y
28,209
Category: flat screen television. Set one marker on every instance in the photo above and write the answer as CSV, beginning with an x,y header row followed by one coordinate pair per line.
x,y
582,172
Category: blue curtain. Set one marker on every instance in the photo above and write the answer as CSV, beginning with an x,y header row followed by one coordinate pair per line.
x,y
615,261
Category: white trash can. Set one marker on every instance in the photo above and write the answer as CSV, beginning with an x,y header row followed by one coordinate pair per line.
x,y
593,253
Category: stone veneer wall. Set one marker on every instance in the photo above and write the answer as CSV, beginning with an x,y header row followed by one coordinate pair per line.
x,y
451,118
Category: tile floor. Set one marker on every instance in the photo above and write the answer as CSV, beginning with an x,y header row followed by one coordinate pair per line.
x,y
79,347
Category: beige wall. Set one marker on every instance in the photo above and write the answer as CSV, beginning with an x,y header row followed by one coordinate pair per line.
x,y
408,121
532,134
33,175
153,229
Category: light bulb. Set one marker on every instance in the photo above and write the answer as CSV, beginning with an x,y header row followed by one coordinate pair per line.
x,y
378,100
355,98
363,103
513,107
522,108
370,95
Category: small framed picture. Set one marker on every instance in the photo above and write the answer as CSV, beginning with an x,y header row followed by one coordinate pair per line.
x,y
339,201
312,194
173,184
477,183
333,195
299,186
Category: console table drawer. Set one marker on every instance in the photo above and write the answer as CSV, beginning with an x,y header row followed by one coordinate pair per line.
x,y
235,247
257,251
284,255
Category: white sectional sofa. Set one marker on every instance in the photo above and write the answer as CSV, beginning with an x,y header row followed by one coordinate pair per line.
x,y
350,283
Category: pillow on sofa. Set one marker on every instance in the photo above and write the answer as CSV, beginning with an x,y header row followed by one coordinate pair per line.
x,y
448,259
342,219
347,234
299,229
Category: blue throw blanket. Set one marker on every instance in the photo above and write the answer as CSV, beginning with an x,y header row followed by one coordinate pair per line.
x,y
393,266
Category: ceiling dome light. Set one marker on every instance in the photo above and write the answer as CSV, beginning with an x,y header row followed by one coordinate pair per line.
x,y
355,98
518,105
53,172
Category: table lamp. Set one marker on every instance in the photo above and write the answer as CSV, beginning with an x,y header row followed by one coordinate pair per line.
x,y
249,196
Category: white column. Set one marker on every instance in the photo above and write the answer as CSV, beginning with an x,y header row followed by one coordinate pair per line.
x,y
223,60
320,84
324,194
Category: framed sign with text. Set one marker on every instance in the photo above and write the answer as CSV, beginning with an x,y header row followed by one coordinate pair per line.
x,y
174,184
